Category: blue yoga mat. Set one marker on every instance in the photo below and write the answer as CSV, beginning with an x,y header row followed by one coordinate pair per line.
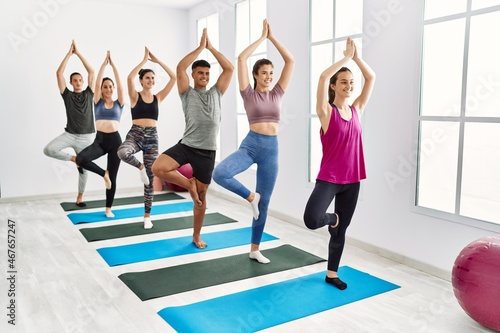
x,y
165,248
271,305
130,212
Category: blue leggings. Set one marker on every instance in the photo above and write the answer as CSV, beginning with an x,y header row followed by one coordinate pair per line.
x,y
315,215
262,150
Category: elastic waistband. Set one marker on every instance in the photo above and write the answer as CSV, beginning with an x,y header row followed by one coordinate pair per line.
x,y
107,134
142,128
261,136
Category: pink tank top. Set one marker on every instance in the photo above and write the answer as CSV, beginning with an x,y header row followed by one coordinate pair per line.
x,y
343,160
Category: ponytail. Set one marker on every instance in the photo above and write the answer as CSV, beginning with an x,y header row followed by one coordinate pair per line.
x,y
259,63
333,80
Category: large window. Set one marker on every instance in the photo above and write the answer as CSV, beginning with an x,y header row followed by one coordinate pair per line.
x,y
211,22
459,118
332,21
249,17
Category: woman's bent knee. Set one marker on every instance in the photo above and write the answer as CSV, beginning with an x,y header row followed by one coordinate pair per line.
x,y
122,153
218,176
311,222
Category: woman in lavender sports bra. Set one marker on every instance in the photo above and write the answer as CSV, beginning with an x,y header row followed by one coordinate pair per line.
x,y
260,146
107,120
342,165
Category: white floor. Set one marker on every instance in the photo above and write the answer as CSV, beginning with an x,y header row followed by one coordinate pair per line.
x,y
63,285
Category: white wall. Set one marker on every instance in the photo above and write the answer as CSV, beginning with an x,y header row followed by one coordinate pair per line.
x,y
33,111
385,218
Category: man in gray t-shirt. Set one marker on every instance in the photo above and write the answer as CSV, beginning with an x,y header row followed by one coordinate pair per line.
x,y
202,112
79,131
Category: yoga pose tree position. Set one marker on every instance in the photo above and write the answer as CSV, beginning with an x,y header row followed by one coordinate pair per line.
x,y
260,146
342,165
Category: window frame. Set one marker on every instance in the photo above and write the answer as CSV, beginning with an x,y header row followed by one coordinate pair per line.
x,y
312,116
462,119
240,112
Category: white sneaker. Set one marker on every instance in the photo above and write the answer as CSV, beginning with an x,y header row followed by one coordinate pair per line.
x,y
147,223
256,255
144,176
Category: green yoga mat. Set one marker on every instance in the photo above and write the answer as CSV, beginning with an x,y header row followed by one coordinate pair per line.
x,y
173,280
135,229
71,206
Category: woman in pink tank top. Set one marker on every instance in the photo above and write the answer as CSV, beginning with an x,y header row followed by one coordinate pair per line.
x,y
342,165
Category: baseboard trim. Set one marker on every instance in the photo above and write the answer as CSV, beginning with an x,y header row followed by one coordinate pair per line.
x,y
125,191
396,257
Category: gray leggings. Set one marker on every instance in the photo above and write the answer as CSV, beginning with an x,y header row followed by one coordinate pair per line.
x,y
78,142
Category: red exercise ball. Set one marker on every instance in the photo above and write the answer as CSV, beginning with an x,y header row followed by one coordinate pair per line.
x,y
187,171
476,281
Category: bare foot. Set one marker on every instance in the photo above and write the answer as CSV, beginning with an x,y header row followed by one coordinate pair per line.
x,y
107,181
199,242
79,200
73,159
193,191
109,214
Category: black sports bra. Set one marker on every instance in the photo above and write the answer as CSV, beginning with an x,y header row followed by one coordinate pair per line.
x,y
145,110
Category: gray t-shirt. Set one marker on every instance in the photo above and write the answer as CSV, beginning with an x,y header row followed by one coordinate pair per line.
x,y
202,113
79,111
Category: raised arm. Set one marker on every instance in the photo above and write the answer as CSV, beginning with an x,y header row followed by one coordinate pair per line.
x,y
243,78
100,74
369,78
227,68
286,73
323,108
132,92
182,76
61,82
119,86
170,84
88,68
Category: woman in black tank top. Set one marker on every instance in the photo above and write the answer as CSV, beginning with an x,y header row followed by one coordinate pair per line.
x,y
143,136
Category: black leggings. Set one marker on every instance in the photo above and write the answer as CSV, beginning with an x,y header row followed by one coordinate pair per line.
x,y
315,215
104,143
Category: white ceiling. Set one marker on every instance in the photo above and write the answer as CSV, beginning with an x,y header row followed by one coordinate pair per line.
x,y
177,4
